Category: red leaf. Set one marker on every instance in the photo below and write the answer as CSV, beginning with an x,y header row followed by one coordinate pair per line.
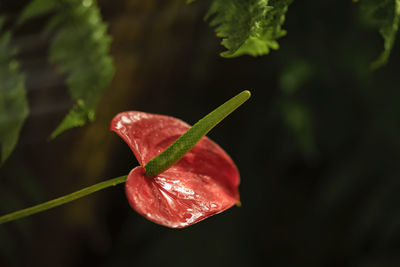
x,y
204,182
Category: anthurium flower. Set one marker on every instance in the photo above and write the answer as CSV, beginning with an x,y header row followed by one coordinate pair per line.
x,y
183,176
202,183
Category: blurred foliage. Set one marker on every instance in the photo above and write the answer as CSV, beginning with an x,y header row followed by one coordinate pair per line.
x,y
296,115
385,14
80,49
13,103
248,27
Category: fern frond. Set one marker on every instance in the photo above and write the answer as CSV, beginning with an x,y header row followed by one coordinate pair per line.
x,y
248,27
80,48
13,102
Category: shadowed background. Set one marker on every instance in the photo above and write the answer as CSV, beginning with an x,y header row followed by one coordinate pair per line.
x,y
317,145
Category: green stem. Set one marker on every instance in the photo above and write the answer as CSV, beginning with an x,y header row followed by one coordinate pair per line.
x,y
61,200
189,139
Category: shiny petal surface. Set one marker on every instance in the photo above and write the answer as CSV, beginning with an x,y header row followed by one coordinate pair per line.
x,y
147,134
204,182
176,199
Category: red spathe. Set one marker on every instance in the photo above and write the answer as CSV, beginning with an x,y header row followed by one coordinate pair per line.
x,y
204,182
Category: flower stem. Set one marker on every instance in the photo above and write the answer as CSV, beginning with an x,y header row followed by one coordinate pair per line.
x,y
61,200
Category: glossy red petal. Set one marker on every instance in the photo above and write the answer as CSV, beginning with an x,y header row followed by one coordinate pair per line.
x,y
147,134
204,182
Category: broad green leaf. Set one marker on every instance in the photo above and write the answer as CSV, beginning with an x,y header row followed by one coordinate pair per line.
x,y
80,49
248,27
13,103
386,15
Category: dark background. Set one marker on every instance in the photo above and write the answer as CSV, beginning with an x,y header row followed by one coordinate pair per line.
x,y
317,145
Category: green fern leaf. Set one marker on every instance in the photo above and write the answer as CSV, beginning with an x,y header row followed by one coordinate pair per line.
x,y
13,103
248,27
76,117
386,15
37,8
80,48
